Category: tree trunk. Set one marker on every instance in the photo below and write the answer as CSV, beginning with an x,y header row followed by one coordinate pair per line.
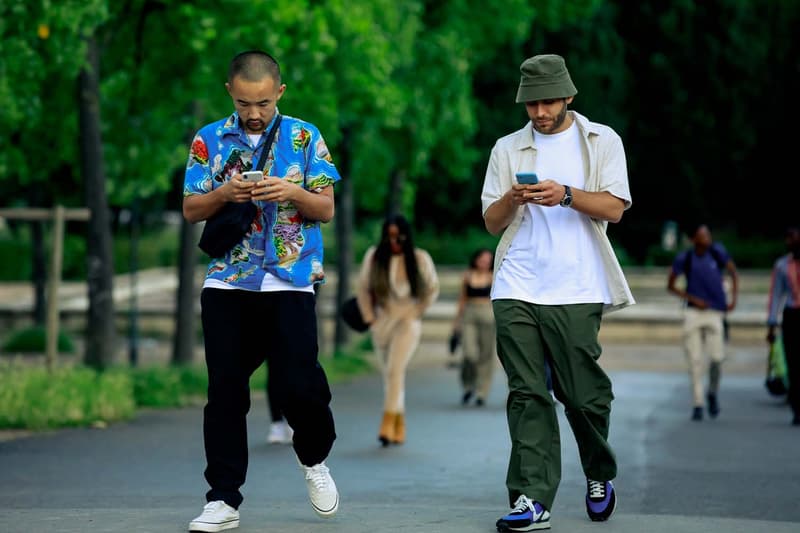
x,y
100,268
344,240
184,338
394,203
39,272
38,261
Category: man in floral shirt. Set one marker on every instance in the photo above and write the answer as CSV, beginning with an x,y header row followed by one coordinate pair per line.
x,y
258,299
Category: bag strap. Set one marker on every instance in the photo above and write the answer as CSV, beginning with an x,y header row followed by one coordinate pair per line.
x,y
268,143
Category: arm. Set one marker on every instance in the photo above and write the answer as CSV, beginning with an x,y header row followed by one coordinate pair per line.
x,y
363,292
598,205
428,271
682,294
312,205
197,207
462,302
730,266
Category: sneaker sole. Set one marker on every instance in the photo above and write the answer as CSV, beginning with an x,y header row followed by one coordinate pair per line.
x,y
207,527
330,512
533,527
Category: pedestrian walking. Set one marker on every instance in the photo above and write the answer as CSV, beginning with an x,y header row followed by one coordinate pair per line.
x,y
784,302
257,301
704,266
474,323
550,190
280,432
396,285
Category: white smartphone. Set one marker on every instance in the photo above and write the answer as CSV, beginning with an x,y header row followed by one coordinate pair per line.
x,y
253,176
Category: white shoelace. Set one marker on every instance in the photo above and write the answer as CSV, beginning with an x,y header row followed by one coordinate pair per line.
x,y
523,503
597,489
318,475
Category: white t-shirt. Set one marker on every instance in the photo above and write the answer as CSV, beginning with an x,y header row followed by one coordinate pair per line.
x,y
554,258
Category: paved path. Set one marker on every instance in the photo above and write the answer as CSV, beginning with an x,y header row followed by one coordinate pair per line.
x,y
738,473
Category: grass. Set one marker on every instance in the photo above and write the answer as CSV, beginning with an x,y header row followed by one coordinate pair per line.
x,y
70,396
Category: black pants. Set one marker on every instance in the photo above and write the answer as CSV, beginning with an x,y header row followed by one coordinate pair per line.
x,y
790,332
242,329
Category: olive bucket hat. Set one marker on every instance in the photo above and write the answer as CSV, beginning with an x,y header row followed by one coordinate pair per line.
x,y
544,77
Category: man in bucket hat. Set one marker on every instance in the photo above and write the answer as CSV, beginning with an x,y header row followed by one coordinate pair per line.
x,y
555,275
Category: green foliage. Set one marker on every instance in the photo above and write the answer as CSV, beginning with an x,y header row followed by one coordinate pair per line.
x,y
34,340
158,386
33,398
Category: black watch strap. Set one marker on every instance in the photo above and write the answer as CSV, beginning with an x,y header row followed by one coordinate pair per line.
x,y
567,200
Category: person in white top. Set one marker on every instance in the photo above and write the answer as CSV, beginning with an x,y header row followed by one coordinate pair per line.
x,y
555,275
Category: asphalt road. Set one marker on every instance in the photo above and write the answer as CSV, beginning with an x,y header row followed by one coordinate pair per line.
x,y
740,472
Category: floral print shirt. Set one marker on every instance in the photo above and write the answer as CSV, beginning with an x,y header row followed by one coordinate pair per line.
x,y
280,241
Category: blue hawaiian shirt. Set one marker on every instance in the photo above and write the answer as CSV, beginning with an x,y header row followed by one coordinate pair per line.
x,y
280,241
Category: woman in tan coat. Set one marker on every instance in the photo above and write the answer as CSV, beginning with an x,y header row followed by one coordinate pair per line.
x,y
396,285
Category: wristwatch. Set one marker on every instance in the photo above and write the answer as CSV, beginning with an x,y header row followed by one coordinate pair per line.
x,y
567,200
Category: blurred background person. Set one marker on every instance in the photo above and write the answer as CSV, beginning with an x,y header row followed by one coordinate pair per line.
x,y
396,285
784,300
474,323
704,267
280,432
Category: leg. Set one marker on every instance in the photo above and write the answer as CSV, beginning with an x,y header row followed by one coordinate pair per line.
x,y
790,334
693,345
570,333
471,348
487,354
300,382
401,348
534,467
232,354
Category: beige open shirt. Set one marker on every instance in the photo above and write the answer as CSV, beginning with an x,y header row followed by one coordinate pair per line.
x,y
606,170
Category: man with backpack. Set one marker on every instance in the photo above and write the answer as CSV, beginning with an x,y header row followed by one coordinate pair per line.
x,y
703,267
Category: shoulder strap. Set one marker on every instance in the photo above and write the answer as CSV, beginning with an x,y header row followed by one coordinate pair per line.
x,y
268,143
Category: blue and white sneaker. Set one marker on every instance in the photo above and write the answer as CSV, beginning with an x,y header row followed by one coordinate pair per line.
x,y
527,515
601,499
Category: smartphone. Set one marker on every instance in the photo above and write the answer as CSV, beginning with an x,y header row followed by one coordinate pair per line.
x,y
527,178
253,176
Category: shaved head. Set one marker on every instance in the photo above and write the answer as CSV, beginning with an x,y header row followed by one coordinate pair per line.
x,y
254,65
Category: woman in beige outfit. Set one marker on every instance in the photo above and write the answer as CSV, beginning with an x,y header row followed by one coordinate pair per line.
x,y
475,321
397,284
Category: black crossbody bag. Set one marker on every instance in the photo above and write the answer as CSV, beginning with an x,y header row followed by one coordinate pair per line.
x,y
226,228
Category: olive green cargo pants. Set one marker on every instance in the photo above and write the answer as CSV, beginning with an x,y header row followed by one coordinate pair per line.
x,y
566,336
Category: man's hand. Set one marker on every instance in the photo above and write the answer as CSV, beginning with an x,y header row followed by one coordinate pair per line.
x,y
237,190
546,193
273,189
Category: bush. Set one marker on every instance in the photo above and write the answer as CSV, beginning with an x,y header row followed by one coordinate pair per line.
x,y
34,340
33,398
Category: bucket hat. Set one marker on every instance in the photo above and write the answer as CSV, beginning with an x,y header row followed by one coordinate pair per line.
x,y
544,77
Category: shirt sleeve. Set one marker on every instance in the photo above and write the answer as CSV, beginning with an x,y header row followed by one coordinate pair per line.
x,y
320,170
613,169
198,176
493,186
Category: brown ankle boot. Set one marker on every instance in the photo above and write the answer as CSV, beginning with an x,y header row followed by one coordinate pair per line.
x,y
399,428
386,434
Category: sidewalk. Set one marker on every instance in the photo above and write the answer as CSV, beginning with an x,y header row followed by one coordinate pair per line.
x,y
734,474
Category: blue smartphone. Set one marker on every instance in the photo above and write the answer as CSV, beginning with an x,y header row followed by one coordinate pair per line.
x,y
527,178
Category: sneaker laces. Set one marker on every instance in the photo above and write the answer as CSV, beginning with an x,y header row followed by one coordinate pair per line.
x,y
318,475
522,504
597,489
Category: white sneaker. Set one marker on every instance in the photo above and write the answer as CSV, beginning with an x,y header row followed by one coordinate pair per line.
x,y
321,489
280,433
216,516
